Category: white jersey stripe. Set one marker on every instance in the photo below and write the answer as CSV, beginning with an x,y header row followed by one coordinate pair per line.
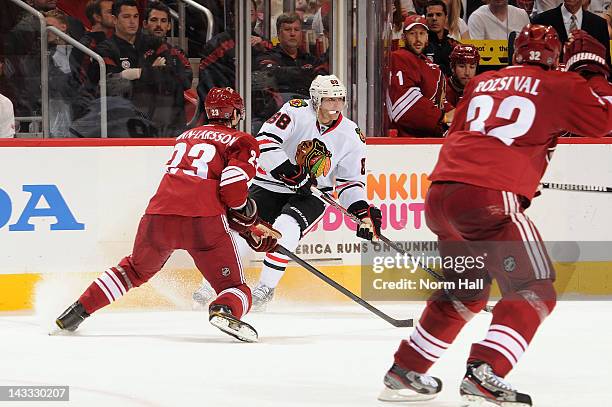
x,y
422,352
538,245
408,106
431,338
398,107
405,96
506,341
500,349
111,285
236,253
513,333
108,295
116,280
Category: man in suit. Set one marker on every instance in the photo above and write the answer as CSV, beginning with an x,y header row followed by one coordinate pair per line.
x,y
570,16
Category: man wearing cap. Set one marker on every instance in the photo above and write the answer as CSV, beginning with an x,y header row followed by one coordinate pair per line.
x,y
415,96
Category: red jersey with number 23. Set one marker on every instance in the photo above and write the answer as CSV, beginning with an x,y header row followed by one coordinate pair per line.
x,y
507,121
207,173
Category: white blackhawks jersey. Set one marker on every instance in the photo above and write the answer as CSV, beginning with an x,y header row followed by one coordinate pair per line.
x,y
295,122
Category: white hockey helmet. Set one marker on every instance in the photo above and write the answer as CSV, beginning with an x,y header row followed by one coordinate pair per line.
x,y
326,86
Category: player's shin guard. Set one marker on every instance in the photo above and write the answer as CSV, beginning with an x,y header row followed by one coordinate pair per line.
x,y
237,299
516,319
109,287
441,322
275,263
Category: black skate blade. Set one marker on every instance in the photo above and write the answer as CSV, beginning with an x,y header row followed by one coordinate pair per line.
x,y
234,327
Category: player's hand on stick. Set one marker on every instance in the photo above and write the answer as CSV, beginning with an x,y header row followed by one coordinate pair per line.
x,y
262,237
242,219
371,220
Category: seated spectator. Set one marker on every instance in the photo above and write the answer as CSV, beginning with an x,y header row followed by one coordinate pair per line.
x,y
61,91
284,72
496,21
74,28
317,21
99,13
169,115
134,69
415,97
7,118
218,64
457,28
570,16
440,45
464,62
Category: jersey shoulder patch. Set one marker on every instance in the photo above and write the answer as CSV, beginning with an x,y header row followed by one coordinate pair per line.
x,y
362,136
298,103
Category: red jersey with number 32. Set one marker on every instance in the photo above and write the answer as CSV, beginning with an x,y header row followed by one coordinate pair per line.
x,y
508,119
207,173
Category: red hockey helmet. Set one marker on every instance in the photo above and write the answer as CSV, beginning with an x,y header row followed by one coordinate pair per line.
x,y
537,44
221,102
583,53
464,54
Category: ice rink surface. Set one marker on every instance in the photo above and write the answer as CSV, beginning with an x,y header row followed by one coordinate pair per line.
x,y
307,356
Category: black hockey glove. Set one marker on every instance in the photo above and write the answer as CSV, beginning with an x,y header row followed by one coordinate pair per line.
x,y
371,220
294,177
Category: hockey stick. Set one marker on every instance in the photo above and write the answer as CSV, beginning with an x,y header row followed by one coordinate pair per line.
x,y
325,197
575,187
399,323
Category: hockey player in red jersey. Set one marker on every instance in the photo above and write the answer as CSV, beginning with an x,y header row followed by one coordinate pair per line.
x,y
587,56
487,173
415,95
464,61
201,196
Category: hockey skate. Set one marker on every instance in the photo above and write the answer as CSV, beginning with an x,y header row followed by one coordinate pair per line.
x,y
481,386
203,295
221,317
70,319
407,385
262,295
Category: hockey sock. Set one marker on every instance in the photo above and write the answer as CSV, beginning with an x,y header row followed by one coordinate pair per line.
x,y
237,298
109,287
516,319
274,264
438,327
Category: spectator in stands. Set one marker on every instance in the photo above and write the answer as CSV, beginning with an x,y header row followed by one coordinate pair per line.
x,y
285,72
61,91
317,21
99,13
598,7
218,64
7,117
169,113
570,16
496,21
457,28
135,71
464,62
415,97
440,45
75,27
85,70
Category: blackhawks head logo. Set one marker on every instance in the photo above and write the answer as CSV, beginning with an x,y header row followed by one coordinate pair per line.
x,y
314,156
297,103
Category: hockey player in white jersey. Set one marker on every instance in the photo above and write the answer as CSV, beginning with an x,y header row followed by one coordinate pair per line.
x,y
306,143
